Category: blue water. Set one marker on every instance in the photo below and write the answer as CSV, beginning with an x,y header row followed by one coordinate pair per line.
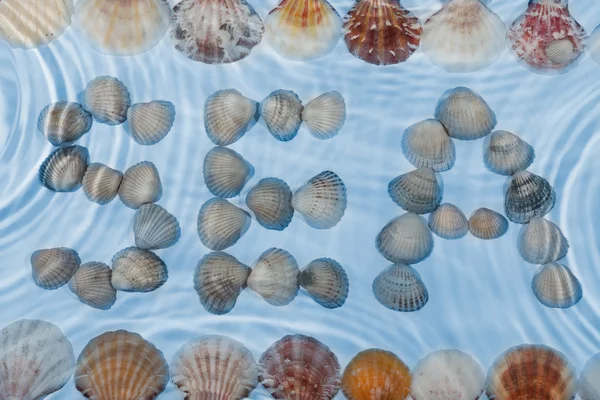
x,y
480,296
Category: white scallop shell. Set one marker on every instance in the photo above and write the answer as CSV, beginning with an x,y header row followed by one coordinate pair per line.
x,y
399,287
505,153
92,285
322,200
101,183
594,45
541,242
326,282
140,185
528,196
555,286
282,112
228,115
64,122
52,268
487,224
448,222
325,115
274,277
138,270
221,224
588,386
149,123
271,203
226,172
426,144
64,168
405,239
419,191
107,99
155,228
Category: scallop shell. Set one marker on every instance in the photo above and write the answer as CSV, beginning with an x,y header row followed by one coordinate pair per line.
x,y
122,28
399,287
448,222
37,360
275,277
487,224
140,185
594,47
426,144
419,191
64,168
228,116
221,224
219,279
405,239
555,286
381,32
282,112
155,228
528,196
121,365
64,122
52,268
149,123
541,242
326,282
226,172
325,115
138,270
92,285
215,31
101,183
532,372
588,386
107,99
271,203
505,153
447,374
322,200
303,30
214,367
299,367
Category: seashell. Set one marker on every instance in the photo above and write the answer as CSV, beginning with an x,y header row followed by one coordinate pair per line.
x,y
215,31
271,203
448,222
464,113
63,169
381,32
138,270
531,372
275,277
140,185
27,24
325,115
447,374
221,224
228,116
52,268
64,122
546,38
303,30
419,191
37,360
528,196
505,153
299,367
91,284
155,228
487,224
405,239
219,279
107,99
101,183
326,282
149,123
399,287
282,112
322,200
588,386
464,36
541,242
426,144
122,28
555,286
376,374
121,365
594,47
214,367
226,172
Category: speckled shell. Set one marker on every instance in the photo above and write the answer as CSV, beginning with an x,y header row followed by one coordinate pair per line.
x,y
487,224
101,183
64,122
107,99
588,386
274,277
140,185
282,112
405,239
326,282
63,169
149,123
301,368
540,242
138,270
214,367
91,284
448,222
155,228
426,144
221,224
399,287
505,153
322,200
594,48
555,286
528,196
419,191
226,172
271,203
228,115
121,365
325,115
37,360
52,268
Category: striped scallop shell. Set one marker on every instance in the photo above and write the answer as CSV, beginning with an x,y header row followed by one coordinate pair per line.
x,y
64,122
528,196
155,228
282,112
419,191
226,172
52,268
325,115
399,287
101,183
271,203
274,277
405,239
505,153
541,242
92,285
140,185
555,286
228,115
326,282
107,99
138,270
448,222
426,144
221,224
588,386
64,168
149,123
322,200
487,224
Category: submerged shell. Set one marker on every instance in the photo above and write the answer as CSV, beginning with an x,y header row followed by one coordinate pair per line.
x,y
214,367
594,48
138,270
221,224
274,277
448,222
149,123
555,286
322,200
300,367
140,185
52,268
487,224
155,228
64,168
326,282
271,203
426,144
540,242
228,115
399,287
505,153
282,112
101,183
381,32
92,285
226,172
528,196
121,365
588,386
419,191
64,122
405,239
107,99
215,31
325,115
37,360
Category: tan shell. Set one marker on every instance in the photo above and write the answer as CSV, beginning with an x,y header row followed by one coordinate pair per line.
x,y
140,185
487,224
275,277
282,112
52,268
221,224
322,200
92,285
138,270
541,242
271,203
101,183
528,196
426,144
399,287
419,191
505,153
64,168
325,115
405,239
155,228
151,122
448,222
326,282
226,172
107,99
555,286
228,115
64,122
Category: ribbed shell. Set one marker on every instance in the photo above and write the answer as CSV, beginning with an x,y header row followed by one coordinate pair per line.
x,y
155,228
326,282
322,200
405,239
271,203
487,224
138,270
555,286
540,242
52,268
221,224
325,115
274,277
228,115
101,183
282,112
561,51
140,185
226,172
91,284
419,191
588,386
121,365
399,287
63,169
528,196
594,47
107,99
149,123
505,153
64,122
426,144
448,222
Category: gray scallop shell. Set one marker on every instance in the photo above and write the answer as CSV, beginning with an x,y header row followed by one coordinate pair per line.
x,y
464,114
325,115
399,287
219,279
64,122
505,153
326,282
221,224
528,196
150,122
487,224
588,386
448,222
282,112
561,51
107,99
64,168
274,277
140,185
405,239
101,183
426,144
419,191
226,172
271,203
138,270
541,242
555,286
228,115
52,268
155,228
92,285
322,200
